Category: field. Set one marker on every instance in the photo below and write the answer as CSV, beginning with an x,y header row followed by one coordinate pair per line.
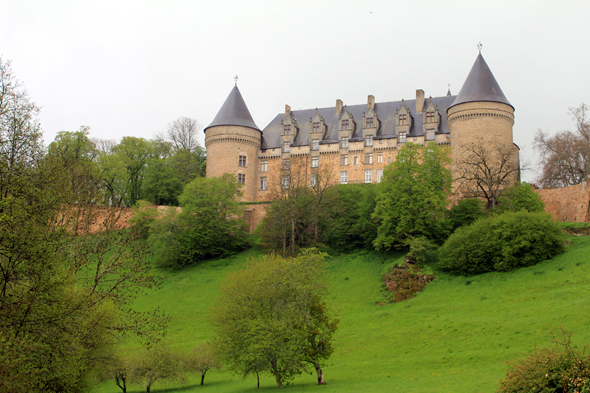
x,y
456,336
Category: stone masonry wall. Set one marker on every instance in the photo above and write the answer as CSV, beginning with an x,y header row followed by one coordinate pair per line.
x,y
568,203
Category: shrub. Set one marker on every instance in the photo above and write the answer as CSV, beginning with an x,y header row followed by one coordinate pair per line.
x,y
502,243
562,368
520,197
466,212
419,248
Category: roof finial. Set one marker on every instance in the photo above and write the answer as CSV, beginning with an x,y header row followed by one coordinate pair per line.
x,y
236,79
449,91
479,46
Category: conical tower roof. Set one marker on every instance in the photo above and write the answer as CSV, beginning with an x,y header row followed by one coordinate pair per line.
x,y
234,112
480,85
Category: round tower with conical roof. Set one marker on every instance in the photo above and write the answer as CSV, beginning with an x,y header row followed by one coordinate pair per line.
x,y
232,141
480,115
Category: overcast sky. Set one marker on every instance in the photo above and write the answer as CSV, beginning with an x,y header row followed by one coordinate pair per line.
x,y
131,67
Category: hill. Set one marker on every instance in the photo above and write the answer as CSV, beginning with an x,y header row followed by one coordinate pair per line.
x,y
454,337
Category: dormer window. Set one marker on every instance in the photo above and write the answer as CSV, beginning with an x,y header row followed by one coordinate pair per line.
x,y
344,143
403,119
429,117
401,137
345,124
316,127
287,129
369,122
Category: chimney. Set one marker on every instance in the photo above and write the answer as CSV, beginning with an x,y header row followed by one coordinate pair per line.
x,y
419,100
287,110
371,103
338,107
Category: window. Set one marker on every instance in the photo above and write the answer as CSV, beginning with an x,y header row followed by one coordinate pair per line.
x,y
344,177
401,137
379,158
286,147
344,159
242,179
369,122
316,127
344,143
264,166
403,119
315,162
379,175
315,144
430,135
368,176
369,141
263,184
287,129
242,161
429,117
286,164
389,160
368,158
314,179
380,141
285,182
356,160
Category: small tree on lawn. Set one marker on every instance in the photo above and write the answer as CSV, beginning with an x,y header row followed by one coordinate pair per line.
x,y
155,364
203,359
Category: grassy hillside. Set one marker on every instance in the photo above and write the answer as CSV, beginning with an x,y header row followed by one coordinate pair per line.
x,y
454,337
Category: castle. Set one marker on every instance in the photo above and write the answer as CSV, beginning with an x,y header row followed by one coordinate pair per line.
x,y
354,142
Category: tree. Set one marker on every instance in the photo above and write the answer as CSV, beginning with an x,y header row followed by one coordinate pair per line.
x,y
465,212
156,363
271,317
183,133
135,153
521,197
564,156
161,186
485,170
203,359
188,158
412,198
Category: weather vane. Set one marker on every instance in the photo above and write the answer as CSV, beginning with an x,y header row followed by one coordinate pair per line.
x,y
479,46
236,79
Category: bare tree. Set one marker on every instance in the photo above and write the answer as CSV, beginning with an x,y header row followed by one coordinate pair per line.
x,y
564,156
322,179
183,133
485,170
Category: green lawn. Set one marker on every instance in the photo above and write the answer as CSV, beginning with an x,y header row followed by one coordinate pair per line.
x,y
454,337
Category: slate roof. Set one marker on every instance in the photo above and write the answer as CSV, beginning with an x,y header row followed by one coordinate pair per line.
x,y
480,85
271,134
234,112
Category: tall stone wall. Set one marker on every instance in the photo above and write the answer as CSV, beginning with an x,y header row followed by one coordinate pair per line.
x,y
568,203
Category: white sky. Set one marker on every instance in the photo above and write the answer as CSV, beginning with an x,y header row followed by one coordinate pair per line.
x,y
132,67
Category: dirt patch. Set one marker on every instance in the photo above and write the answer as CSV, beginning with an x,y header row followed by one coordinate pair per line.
x,y
583,231
405,281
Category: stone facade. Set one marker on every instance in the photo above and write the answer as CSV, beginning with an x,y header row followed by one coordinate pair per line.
x,y
570,204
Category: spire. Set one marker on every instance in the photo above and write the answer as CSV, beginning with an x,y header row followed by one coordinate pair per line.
x,y
234,112
480,85
449,91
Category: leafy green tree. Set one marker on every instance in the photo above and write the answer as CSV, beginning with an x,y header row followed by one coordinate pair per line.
x,y
412,198
161,186
203,359
465,212
270,317
520,197
135,154
157,363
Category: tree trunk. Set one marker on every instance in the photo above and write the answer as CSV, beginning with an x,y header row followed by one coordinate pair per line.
x,y
317,219
203,378
293,235
277,374
257,380
148,388
318,369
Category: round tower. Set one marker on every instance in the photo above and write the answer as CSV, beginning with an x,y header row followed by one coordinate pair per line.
x,y
480,116
232,141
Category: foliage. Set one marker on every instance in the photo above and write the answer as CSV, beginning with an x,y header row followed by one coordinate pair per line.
x,y
502,243
134,153
465,212
144,214
521,197
203,359
164,239
405,281
419,248
350,225
564,156
412,198
270,317
157,363
161,185
561,368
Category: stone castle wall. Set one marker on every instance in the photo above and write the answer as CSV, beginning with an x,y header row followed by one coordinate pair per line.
x,y
567,204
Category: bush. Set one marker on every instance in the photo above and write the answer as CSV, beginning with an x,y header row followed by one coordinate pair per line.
x,y
520,197
419,248
466,212
502,243
562,368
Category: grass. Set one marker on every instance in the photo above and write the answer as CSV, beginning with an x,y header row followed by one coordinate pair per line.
x,y
456,336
